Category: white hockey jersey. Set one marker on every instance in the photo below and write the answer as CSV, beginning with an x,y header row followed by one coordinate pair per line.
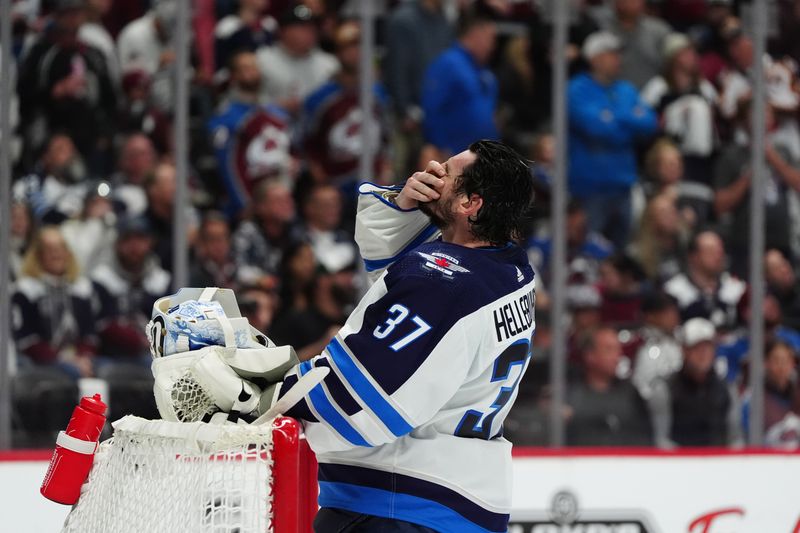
x,y
408,424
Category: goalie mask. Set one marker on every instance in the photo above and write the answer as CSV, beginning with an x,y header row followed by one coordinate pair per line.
x,y
192,319
206,355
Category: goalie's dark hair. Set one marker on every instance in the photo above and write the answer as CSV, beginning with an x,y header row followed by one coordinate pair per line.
x,y
503,179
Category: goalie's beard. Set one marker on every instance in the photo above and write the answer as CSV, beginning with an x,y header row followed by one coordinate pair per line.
x,y
440,212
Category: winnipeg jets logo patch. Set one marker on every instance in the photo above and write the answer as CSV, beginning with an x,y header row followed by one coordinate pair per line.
x,y
443,263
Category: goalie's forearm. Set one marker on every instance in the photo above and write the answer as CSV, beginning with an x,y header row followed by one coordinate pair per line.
x,y
300,410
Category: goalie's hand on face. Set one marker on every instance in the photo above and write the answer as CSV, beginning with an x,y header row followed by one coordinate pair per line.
x,y
422,186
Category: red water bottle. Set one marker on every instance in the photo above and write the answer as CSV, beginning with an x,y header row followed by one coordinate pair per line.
x,y
74,453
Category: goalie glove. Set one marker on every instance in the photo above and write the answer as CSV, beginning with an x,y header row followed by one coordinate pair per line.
x,y
205,354
192,386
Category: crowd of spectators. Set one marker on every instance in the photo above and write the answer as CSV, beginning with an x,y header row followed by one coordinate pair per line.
x,y
659,108
659,177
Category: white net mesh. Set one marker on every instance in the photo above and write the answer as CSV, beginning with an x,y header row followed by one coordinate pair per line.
x,y
190,400
166,477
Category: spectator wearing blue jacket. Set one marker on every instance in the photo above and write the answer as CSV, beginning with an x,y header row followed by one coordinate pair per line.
x,y
606,118
459,92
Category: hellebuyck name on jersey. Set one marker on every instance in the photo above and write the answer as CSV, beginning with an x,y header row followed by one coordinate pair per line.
x,y
514,318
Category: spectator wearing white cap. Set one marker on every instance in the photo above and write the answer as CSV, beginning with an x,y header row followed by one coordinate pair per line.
x,y
694,407
686,105
642,38
606,118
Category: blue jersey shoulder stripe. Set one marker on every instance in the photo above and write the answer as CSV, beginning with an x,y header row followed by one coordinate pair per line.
x,y
376,264
330,415
393,420
388,504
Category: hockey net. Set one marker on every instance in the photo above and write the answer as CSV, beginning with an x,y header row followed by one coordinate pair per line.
x,y
166,477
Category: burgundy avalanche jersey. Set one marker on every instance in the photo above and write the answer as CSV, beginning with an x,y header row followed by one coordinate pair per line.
x,y
251,142
332,129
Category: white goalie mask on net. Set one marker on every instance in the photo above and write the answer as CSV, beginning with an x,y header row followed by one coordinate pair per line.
x,y
194,318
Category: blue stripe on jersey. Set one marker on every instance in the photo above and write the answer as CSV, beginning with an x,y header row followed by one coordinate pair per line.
x,y
336,389
393,420
426,491
376,264
305,366
389,504
329,414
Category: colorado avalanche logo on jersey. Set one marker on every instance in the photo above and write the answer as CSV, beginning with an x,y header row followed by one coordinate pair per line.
x,y
345,139
443,263
261,148
335,123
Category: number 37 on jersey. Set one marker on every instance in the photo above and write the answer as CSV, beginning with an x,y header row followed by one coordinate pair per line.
x,y
474,424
